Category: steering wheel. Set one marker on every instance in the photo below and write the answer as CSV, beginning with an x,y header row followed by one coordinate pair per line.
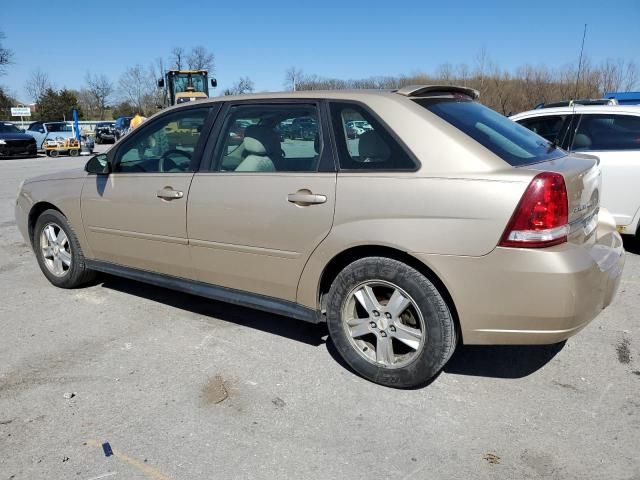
x,y
164,159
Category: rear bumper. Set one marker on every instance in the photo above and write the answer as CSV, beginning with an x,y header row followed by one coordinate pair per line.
x,y
533,296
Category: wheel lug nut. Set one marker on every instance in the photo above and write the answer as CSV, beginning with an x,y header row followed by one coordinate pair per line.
x,y
383,333
388,315
376,313
372,324
392,328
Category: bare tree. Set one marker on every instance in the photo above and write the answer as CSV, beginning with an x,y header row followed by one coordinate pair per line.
x,y
200,59
444,73
138,87
37,83
463,73
481,60
101,88
87,103
177,59
158,68
155,96
5,55
158,73
630,79
243,85
292,78
616,75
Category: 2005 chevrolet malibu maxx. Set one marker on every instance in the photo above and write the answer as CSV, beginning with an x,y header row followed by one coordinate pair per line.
x,y
441,222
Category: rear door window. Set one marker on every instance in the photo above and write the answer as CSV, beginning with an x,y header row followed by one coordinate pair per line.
x,y
510,141
270,138
607,132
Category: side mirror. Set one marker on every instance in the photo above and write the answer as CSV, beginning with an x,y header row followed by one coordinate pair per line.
x,y
214,83
161,83
98,165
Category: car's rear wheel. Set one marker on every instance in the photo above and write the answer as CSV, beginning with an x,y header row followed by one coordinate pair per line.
x,y
389,322
58,251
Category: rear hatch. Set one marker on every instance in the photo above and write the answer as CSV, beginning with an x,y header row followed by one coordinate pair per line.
x,y
520,147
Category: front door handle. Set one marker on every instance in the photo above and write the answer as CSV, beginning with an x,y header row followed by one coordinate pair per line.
x,y
169,194
306,198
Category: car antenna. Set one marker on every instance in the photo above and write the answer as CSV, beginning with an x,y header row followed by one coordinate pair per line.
x,y
584,34
575,96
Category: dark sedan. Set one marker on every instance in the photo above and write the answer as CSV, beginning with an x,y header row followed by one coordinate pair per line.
x,y
105,132
15,143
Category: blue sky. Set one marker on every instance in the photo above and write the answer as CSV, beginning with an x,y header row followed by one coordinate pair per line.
x,y
343,39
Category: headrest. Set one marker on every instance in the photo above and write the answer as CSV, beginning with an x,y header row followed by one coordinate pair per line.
x,y
259,140
581,141
372,148
316,143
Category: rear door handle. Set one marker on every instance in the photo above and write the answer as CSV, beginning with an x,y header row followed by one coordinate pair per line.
x,y
169,194
306,198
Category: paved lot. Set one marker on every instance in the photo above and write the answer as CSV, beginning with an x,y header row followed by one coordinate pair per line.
x,y
186,388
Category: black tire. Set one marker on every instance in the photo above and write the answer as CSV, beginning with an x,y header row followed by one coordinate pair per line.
x,y
77,273
439,325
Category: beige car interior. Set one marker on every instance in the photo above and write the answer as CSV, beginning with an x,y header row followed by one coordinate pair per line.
x,y
261,150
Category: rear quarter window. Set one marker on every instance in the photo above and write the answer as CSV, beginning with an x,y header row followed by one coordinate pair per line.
x,y
364,143
510,141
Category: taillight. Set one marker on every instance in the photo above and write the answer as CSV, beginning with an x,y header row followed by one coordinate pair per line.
x,y
541,218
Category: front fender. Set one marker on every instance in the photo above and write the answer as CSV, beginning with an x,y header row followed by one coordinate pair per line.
x,y
64,195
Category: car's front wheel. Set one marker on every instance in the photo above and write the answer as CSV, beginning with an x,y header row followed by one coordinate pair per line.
x,y
389,322
58,251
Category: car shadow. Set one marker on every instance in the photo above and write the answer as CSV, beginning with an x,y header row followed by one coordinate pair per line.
x,y
501,361
491,361
631,244
481,361
305,332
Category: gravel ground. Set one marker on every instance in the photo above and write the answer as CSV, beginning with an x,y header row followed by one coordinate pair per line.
x,y
125,381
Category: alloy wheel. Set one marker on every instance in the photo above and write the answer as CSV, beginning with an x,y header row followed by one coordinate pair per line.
x,y
383,323
56,249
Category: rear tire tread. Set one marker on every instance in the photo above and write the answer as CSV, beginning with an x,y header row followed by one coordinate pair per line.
x,y
440,326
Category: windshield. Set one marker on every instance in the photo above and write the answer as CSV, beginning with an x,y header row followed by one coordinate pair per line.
x,y
181,82
58,127
513,143
9,128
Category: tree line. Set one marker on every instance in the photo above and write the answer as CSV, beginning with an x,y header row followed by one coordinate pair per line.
x,y
503,90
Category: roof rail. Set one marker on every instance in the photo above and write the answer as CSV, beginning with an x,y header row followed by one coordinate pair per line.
x,y
436,90
583,101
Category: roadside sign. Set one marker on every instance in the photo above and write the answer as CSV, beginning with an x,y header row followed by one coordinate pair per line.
x,y
20,112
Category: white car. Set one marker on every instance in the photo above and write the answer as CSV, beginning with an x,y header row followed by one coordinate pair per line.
x,y
610,132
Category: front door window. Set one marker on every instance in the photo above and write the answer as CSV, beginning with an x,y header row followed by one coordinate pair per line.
x,y
166,145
